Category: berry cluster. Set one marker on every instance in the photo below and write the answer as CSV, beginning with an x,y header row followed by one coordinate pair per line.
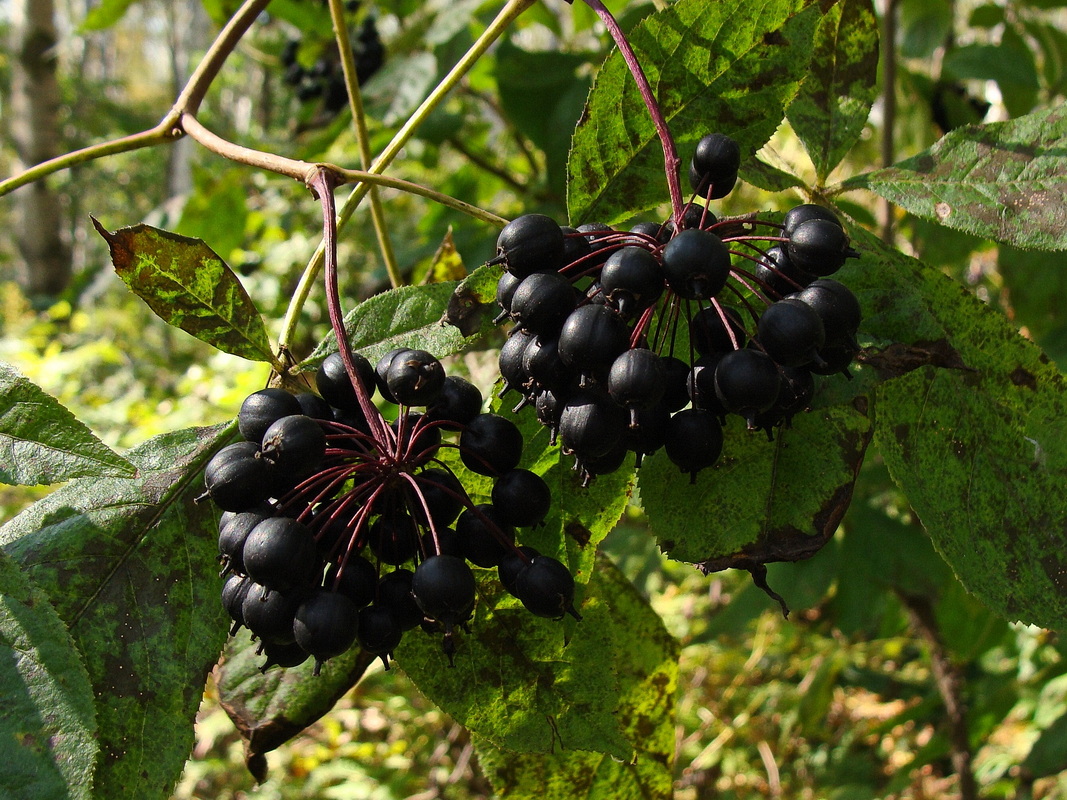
x,y
596,312
341,530
325,77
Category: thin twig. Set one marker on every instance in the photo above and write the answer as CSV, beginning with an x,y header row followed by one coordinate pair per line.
x,y
889,105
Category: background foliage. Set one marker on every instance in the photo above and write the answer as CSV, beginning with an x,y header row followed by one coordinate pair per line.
x,y
890,679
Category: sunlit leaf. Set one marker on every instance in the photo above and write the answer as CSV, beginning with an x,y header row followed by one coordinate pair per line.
x,y
189,286
831,110
645,659
1005,181
42,442
47,719
129,564
976,444
713,67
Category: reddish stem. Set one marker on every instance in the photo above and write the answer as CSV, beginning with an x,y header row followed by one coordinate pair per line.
x,y
322,183
671,162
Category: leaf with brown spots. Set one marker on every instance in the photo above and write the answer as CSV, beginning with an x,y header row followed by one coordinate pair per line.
x,y
713,67
189,286
1005,180
979,452
129,564
594,699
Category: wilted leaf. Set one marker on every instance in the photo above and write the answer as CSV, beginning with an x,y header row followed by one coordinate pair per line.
x,y
129,564
41,442
271,708
713,67
189,286
47,718
834,102
1005,181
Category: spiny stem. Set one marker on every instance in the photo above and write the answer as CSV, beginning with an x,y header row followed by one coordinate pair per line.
x,y
359,124
671,162
322,184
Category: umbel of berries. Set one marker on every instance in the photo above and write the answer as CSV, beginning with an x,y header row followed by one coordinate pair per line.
x,y
343,527
632,341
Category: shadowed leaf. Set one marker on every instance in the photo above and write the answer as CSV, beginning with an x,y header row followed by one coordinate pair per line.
x,y
41,442
271,708
129,564
189,286
1005,181
47,718
713,67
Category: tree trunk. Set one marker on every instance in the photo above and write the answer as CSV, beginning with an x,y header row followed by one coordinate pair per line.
x,y
46,267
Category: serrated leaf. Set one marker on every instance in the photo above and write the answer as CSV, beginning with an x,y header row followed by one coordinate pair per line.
x,y
41,442
645,659
727,67
414,316
189,286
1005,181
977,446
271,708
834,102
530,685
129,564
763,501
771,179
47,719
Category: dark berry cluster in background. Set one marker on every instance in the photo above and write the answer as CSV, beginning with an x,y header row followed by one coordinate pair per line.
x,y
595,346
339,531
325,78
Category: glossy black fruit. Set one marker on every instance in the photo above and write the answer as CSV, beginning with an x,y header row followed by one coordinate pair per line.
x,y
484,535
802,213
394,594
838,309
819,247
637,379
542,302
457,404
444,588
237,479
791,332
530,243
709,333
546,588
280,554
333,383
747,382
415,378
261,409
522,497
714,166
696,264
592,338
694,440
631,280
296,445
325,625
490,445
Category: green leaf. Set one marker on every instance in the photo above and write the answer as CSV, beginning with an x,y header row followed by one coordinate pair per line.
x,y
733,66
976,444
189,286
645,660
1036,283
47,719
1048,755
415,317
41,442
834,102
531,685
105,15
763,501
129,564
771,179
271,708
1005,181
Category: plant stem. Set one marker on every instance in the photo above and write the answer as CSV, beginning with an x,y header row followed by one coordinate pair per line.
x,y
948,681
359,123
304,171
889,105
165,131
303,290
671,162
322,183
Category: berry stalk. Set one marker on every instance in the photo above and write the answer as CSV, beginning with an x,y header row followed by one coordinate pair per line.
x,y
322,184
671,161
